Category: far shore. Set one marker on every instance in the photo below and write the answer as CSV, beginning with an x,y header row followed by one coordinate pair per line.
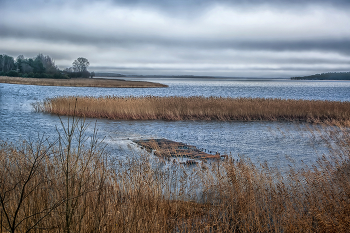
x,y
80,82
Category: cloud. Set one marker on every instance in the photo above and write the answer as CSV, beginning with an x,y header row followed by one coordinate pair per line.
x,y
218,37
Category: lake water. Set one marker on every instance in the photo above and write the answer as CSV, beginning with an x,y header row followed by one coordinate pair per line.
x,y
259,141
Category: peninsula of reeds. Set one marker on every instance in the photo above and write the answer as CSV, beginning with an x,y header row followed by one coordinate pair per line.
x,y
80,82
198,108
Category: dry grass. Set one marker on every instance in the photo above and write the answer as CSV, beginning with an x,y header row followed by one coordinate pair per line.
x,y
79,82
198,108
96,195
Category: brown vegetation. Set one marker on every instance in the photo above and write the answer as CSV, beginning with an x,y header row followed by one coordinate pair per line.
x,y
165,148
65,188
79,82
198,108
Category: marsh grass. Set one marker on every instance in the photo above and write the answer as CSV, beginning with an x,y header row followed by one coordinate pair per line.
x,y
73,187
199,108
80,82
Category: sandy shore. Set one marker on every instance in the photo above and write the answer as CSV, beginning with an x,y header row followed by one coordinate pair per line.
x,y
79,82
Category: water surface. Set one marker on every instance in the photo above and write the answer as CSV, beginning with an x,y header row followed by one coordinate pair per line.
x,y
259,141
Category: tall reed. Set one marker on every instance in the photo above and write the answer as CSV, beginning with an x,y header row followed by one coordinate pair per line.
x,y
141,195
198,108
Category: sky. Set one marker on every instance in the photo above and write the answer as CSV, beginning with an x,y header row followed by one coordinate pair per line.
x,y
231,38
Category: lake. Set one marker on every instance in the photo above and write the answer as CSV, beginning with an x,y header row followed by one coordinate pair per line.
x,y
259,141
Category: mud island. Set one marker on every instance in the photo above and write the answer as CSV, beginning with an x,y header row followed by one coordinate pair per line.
x,y
166,148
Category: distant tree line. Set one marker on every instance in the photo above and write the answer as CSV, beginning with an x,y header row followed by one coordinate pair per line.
x,y
101,74
326,76
42,66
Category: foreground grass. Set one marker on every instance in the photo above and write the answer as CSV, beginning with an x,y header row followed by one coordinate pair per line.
x,y
198,108
79,82
72,187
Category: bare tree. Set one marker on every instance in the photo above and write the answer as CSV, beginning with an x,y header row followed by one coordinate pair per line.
x,y
44,187
79,167
81,64
22,177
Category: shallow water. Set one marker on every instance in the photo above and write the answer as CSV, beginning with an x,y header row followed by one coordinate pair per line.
x,y
259,141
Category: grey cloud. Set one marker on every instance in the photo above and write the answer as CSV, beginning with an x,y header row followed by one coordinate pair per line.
x,y
178,6
341,46
338,46
177,36
201,3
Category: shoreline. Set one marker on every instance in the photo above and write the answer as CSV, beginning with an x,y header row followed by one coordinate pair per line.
x,y
81,82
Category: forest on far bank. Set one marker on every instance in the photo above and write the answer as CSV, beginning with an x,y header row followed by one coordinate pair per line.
x,y
42,66
326,76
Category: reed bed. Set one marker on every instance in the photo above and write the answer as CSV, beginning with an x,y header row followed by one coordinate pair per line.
x,y
60,187
197,108
80,82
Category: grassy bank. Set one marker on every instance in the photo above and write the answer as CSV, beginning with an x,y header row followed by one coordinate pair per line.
x,y
65,188
198,108
79,82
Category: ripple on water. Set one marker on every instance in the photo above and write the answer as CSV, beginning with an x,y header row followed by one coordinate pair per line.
x,y
258,141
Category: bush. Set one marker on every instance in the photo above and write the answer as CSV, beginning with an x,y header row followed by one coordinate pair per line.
x,y
41,75
60,76
12,73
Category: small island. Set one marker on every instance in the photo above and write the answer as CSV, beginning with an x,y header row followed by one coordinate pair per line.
x,y
326,76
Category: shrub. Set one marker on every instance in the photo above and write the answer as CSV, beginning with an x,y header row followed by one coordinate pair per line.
x,y
12,73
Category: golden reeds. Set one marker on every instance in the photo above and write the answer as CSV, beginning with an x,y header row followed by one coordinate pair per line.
x,y
80,82
198,108
64,188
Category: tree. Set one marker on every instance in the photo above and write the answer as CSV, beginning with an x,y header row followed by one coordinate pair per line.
x,y
23,65
7,63
92,74
81,64
38,66
48,63
23,177
19,62
41,182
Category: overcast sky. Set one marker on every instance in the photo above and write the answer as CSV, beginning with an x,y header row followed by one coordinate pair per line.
x,y
247,38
